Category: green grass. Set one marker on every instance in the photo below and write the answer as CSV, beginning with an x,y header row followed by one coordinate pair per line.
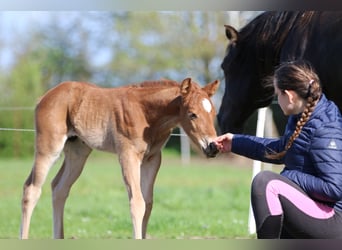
x,y
203,199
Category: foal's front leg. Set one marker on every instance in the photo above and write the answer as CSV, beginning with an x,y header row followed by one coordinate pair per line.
x,y
130,164
149,171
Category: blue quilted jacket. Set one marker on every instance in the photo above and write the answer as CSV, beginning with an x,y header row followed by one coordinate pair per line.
x,y
314,162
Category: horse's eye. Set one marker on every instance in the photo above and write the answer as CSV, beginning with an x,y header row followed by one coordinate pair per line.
x,y
192,116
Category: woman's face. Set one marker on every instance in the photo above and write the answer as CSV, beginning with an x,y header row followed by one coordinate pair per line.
x,y
289,101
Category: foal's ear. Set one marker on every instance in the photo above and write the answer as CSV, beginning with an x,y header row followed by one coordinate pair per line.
x,y
185,86
211,88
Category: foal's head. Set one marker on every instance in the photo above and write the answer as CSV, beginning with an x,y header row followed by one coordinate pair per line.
x,y
197,114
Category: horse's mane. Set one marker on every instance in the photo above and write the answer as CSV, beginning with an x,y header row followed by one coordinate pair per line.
x,y
155,83
262,39
271,29
275,24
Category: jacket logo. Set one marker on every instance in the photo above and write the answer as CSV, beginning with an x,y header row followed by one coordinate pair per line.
x,y
332,144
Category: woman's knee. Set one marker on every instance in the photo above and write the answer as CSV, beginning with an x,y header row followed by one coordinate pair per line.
x,y
262,178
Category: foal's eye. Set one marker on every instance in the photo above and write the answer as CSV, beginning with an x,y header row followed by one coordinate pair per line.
x,y
192,116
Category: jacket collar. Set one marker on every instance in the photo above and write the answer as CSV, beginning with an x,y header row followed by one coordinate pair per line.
x,y
322,103
319,107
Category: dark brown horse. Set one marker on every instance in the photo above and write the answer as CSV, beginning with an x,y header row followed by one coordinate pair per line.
x,y
134,122
265,42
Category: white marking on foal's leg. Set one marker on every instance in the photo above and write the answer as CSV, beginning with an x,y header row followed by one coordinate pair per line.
x,y
206,105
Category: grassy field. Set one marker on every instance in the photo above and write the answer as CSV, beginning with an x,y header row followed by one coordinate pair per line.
x,y
206,199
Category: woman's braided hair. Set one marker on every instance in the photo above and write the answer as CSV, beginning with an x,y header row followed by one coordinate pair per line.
x,y
300,77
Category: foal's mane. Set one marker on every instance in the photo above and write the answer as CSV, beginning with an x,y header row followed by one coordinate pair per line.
x,y
155,83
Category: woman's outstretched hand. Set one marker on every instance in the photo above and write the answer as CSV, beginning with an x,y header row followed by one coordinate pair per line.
x,y
224,142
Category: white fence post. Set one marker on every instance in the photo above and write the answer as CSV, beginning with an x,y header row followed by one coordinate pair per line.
x,y
185,147
260,131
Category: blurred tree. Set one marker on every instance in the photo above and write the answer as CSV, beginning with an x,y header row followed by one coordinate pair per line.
x,y
152,45
46,57
21,89
62,48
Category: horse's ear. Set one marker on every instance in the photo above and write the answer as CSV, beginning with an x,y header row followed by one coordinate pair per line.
x,y
231,33
211,88
185,86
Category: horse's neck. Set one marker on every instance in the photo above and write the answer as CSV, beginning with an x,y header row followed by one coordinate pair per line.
x,y
163,108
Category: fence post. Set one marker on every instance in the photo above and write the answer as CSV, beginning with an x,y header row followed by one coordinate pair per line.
x,y
185,147
260,130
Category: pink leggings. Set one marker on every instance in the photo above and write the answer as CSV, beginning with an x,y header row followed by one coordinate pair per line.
x,y
283,210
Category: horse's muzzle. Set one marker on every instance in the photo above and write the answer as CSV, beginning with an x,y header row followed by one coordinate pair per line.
x,y
211,150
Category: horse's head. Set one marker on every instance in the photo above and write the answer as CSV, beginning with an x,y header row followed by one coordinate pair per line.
x,y
245,90
197,114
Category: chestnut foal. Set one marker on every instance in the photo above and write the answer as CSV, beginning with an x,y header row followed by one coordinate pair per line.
x,y
133,121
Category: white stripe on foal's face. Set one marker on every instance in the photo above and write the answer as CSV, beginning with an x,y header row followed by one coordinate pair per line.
x,y
206,105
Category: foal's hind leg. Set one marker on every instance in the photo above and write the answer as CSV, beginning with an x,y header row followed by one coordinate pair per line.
x,y
48,149
76,154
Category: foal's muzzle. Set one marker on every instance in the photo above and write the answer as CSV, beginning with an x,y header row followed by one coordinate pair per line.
x,y
211,150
